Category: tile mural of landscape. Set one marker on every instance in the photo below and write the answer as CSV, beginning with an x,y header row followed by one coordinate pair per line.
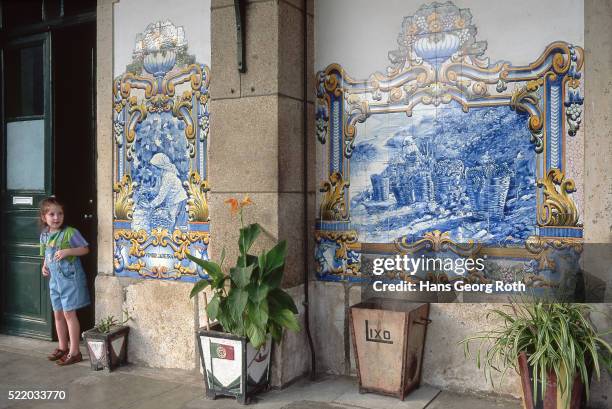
x,y
471,174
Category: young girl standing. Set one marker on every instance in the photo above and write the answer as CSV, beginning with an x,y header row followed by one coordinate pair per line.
x,y
62,246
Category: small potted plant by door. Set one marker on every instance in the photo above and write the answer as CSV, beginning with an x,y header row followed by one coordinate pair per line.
x,y
553,347
250,310
107,343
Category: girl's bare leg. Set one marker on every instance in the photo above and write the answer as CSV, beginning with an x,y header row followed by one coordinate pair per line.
x,y
62,329
74,330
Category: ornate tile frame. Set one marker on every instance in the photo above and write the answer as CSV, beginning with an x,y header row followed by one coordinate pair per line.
x,y
161,79
431,68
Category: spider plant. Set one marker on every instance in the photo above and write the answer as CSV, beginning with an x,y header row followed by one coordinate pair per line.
x,y
106,324
558,339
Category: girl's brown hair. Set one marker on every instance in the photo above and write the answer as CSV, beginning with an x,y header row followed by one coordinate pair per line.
x,y
45,204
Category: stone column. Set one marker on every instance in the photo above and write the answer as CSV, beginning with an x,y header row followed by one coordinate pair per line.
x,y
598,134
598,167
108,289
256,143
104,131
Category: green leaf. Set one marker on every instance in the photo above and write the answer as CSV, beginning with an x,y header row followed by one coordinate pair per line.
x,y
261,262
212,269
258,313
213,307
275,278
275,258
283,300
286,319
237,300
241,276
224,317
248,235
258,292
198,287
256,335
251,259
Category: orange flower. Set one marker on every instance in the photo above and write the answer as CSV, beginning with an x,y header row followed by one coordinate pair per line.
x,y
233,202
237,206
246,201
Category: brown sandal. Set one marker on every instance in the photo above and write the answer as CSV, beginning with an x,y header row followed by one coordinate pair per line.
x,y
56,354
69,359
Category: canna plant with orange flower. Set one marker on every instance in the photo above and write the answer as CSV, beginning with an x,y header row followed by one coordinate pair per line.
x,y
249,301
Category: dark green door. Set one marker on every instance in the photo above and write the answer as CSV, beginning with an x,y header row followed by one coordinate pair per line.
x,y
26,179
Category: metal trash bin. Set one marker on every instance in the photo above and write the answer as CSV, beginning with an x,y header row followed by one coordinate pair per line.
x,y
388,340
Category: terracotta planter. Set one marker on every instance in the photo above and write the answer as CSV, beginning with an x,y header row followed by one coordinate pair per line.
x,y
388,339
553,398
232,367
107,350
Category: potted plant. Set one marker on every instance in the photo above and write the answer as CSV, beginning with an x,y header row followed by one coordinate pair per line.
x,y
250,310
554,348
107,343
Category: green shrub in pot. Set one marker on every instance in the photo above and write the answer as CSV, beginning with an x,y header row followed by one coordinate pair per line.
x,y
249,301
548,344
250,310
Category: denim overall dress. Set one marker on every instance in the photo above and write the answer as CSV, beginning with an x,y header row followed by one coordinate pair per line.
x,y
67,281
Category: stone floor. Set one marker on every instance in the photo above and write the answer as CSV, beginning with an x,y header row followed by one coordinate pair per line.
x,y
23,367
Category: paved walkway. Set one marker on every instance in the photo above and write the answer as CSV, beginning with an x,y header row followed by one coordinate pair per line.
x,y
23,366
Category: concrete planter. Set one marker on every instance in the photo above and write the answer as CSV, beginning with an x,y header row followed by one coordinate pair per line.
x,y
107,350
388,339
554,397
232,367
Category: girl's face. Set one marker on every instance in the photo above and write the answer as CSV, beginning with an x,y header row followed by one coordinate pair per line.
x,y
54,217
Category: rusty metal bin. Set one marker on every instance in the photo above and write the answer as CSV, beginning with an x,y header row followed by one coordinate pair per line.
x,y
388,339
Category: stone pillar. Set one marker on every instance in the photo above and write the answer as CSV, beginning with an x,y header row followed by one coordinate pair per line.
x,y
598,167
256,143
598,141
108,290
104,134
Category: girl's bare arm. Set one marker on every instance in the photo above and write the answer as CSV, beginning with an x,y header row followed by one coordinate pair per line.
x,y
73,251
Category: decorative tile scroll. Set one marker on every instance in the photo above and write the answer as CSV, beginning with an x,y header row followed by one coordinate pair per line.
x,y
448,147
161,127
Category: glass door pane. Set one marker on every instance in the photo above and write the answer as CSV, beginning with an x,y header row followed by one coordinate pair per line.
x,y
25,155
24,75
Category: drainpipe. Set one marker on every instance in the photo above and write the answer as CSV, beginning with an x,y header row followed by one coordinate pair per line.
x,y
305,190
239,12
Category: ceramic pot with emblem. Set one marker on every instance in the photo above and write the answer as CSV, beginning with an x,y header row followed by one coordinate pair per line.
x,y
232,366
